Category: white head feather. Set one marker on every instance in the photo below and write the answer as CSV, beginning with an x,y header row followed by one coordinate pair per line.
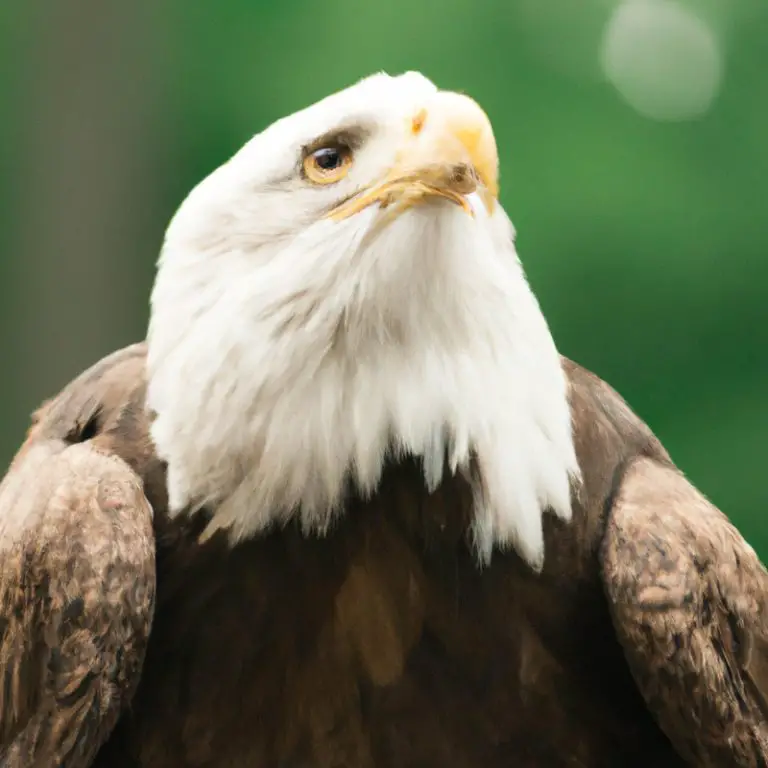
x,y
290,353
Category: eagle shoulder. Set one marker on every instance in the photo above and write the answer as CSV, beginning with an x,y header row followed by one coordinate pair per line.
x,y
689,603
77,574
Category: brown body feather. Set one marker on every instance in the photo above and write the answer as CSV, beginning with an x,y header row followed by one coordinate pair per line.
x,y
644,641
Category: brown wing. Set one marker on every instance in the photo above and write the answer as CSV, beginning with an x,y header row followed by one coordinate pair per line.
x,y
77,583
689,601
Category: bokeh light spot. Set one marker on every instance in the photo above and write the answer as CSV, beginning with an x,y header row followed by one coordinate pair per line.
x,y
665,61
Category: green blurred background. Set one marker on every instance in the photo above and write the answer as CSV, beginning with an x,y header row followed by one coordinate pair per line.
x,y
634,143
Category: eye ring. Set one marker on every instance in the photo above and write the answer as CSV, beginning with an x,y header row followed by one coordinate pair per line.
x,y
329,164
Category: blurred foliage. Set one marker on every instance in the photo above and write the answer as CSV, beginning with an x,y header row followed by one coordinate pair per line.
x,y
644,239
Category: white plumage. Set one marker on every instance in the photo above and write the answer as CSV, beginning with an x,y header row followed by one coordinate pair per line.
x,y
289,352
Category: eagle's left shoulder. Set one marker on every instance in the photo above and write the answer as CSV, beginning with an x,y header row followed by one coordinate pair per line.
x,y
688,597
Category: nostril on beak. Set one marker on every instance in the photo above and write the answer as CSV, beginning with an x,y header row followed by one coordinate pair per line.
x,y
463,178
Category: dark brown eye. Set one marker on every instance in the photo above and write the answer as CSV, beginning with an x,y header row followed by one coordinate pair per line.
x,y
328,158
328,164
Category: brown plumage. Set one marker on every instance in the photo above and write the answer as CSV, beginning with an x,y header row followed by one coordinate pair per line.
x,y
643,642
525,579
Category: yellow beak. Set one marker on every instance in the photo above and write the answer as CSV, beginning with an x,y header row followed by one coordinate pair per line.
x,y
449,152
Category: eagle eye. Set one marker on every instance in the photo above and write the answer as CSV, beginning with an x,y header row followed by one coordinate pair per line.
x,y
328,164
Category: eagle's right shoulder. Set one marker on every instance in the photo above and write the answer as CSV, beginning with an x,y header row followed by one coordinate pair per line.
x,y
77,567
94,400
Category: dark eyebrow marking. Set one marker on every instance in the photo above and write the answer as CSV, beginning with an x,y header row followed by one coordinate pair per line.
x,y
352,136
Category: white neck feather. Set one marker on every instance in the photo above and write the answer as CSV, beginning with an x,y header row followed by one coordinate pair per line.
x,y
278,377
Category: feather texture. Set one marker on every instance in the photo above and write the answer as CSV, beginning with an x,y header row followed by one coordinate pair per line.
x,y
381,644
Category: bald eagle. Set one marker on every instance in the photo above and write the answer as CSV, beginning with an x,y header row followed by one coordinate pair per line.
x,y
347,506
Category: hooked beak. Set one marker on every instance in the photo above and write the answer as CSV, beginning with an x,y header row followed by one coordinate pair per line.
x,y
449,152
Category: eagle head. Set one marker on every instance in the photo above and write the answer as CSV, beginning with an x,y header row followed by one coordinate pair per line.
x,y
345,291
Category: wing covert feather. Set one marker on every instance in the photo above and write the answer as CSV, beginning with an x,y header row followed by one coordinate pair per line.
x,y
77,585
689,602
